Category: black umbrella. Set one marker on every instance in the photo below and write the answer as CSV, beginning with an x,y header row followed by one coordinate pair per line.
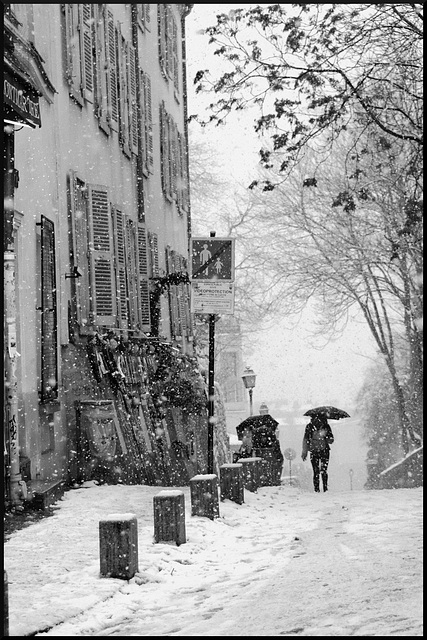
x,y
328,411
255,422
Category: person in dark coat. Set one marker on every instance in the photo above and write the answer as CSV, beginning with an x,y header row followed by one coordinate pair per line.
x,y
317,438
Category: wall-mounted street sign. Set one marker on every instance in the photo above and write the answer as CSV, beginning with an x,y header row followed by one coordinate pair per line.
x,y
212,297
212,259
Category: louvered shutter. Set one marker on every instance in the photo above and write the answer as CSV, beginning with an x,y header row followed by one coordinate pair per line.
x,y
169,33
87,48
174,158
180,294
184,183
175,57
161,25
154,254
144,138
187,301
124,129
49,337
73,55
78,207
147,16
101,257
165,151
120,263
111,48
149,113
173,301
132,99
101,68
143,281
132,270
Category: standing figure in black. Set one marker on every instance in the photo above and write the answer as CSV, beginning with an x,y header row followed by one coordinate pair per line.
x,y
317,438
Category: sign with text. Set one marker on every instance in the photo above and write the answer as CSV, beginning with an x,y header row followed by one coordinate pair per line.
x,y
212,259
212,297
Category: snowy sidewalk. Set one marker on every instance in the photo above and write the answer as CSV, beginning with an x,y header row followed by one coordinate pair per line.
x,y
283,563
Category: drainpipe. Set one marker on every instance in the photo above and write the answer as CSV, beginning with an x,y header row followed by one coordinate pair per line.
x,y
18,488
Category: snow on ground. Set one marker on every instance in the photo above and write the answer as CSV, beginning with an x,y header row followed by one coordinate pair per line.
x,y
284,563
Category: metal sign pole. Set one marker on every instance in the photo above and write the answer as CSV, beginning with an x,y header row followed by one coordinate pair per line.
x,y
211,391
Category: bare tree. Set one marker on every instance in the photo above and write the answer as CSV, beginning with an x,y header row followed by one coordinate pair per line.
x,y
310,71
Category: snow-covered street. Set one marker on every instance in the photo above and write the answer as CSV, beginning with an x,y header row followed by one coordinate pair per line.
x,y
284,563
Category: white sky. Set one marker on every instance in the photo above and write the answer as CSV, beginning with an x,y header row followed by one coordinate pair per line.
x,y
284,563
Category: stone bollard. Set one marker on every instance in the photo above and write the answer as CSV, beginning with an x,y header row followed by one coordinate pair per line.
x,y
266,479
169,516
118,545
204,495
251,472
6,606
231,482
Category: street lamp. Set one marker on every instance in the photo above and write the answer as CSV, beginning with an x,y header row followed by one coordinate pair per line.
x,y
248,378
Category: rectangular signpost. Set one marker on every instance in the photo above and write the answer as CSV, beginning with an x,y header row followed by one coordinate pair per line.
x,y
212,292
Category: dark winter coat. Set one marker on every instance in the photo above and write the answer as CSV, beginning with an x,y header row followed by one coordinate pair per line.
x,y
317,437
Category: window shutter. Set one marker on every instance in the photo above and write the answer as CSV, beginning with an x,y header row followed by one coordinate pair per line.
x,y
111,48
173,301
80,287
180,298
169,33
144,289
124,129
144,133
165,151
120,261
149,113
101,257
174,158
161,25
73,51
132,270
87,48
154,254
101,69
175,57
187,301
147,16
132,99
49,337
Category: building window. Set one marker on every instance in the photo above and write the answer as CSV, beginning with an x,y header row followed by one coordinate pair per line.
x,y
173,162
110,252
146,123
168,44
79,51
49,344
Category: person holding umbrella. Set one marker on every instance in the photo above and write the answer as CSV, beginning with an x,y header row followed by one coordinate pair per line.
x,y
317,438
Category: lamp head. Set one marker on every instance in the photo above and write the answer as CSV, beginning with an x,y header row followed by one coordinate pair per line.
x,y
249,378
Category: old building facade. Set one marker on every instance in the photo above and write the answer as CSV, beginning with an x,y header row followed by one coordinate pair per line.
x,y
101,375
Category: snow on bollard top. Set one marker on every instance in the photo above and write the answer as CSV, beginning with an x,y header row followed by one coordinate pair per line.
x,y
170,493
119,517
204,476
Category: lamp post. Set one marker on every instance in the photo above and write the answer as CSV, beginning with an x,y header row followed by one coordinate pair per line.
x,y
248,378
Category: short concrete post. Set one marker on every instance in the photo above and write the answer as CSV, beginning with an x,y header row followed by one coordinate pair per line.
x,y
251,471
204,495
6,606
266,479
118,545
231,482
169,516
